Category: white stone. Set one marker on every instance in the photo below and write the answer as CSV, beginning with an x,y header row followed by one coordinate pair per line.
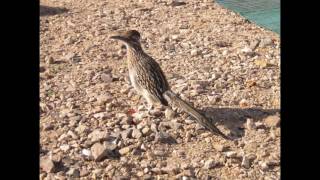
x,y
86,152
194,52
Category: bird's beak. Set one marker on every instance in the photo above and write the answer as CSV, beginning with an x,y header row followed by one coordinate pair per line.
x,y
115,37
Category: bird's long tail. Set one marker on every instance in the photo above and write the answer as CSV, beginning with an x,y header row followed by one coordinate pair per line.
x,y
201,119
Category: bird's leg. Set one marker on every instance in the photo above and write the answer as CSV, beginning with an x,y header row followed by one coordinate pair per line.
x,y
150,107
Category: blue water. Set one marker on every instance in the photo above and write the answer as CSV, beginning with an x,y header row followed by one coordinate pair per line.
x,y
265,13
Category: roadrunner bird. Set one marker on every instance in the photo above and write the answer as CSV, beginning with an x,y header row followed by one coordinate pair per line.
x,y
149,80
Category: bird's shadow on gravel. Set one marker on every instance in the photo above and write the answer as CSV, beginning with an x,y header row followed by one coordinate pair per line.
x,y
50,11
234,119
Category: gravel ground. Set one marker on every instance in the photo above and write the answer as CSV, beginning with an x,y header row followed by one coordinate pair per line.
x,y
94,126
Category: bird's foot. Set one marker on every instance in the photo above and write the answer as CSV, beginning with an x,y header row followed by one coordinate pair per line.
x,y
150,109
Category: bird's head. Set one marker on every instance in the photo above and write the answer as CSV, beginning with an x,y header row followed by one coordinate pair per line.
x,y
131,38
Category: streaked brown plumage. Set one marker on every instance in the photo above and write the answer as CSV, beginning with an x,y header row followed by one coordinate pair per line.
x,y
149,80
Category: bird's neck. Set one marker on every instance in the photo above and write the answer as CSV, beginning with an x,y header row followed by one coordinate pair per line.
x,y
133,51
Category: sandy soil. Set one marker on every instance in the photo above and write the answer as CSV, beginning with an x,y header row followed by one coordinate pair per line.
x,y
93,125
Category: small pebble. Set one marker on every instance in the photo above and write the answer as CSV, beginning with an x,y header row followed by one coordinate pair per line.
x,y
231,154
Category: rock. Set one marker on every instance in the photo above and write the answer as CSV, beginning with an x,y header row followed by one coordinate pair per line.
x,y
264,166
75,173
86,152
47,165
97,172
188,136
261,63
170,169
73,120
100,151
63,137
273,163
97,135
259,125
231,154
170,124
101,115
145,163
194,52
126,133
146,131
272,121
136,133
49,60
67,161
164,137
207,56
246,50
146,170
250,124
225,52
140,115
107,78
189,121
104,98
69,41
143,147
125,90
184,165
140,173
58,176
222,44
175,37
121,178
199,127
47,127
136,151
72,134
156,112
251,157
246,162
156,170
42,176
84,172
188,172
266,42
261,131
109,167
147,177
164,38
185,45
169,113
254,44
69,56
178,3
65,147
251,83
82,129
209,164
243,103
124,150
185,178
141,125
207,177
220,147
159,153
154,127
